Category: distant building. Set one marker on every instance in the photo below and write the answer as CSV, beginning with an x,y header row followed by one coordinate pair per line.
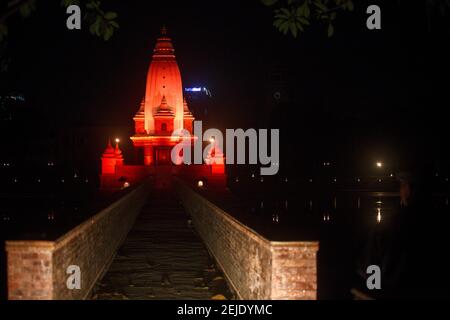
x,y
201,99
10,106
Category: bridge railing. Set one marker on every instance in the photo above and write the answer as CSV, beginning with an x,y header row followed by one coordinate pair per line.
x,y
255,267
41,270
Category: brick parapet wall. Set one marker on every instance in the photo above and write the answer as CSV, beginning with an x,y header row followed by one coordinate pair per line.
x,y
255,267
37,269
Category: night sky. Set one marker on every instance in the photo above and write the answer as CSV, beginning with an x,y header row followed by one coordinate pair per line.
x,y
355,94
354,99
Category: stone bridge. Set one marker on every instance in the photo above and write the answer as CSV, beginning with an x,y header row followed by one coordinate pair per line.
x,y
175,242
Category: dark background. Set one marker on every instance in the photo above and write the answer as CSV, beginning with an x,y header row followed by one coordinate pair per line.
x,y
353,99
358,96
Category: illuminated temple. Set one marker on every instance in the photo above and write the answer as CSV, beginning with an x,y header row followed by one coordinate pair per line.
x,y
163,110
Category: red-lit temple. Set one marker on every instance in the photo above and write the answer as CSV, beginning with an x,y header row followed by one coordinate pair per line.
x,y
162,111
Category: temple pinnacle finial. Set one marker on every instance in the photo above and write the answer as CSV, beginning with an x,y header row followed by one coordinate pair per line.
x,y
142,105
163,30
109,149
163,106
185,105
186,111
117,150
164,45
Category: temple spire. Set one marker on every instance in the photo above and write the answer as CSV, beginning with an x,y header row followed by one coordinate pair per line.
x,y
164,47
117,150
186,111
163,106
164,109
142,106
185,106
109,149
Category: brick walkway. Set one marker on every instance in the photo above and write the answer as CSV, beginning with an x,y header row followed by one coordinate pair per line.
x,y
161,258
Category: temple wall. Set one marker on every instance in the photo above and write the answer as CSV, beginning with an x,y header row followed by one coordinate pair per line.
x,y
37,270
255,267
125,173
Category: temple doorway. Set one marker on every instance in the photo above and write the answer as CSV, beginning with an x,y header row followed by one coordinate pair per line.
x,y
163,156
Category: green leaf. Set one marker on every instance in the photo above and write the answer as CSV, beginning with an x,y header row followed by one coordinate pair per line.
x,y
293,29
307,10
67,3
110,15
27,8
277,23
269,2
284,27
93,4
320,5
97,24
350,5
304,21
114,24
304,10
108,33
92,29
330,30
281,15
285,11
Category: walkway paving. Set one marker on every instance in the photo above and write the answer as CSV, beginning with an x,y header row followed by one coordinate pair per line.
x,y
162,258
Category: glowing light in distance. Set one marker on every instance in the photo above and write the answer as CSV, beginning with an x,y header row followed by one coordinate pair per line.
x,y
194,89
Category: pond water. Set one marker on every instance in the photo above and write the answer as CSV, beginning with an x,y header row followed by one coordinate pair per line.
x,y
356,229
352,227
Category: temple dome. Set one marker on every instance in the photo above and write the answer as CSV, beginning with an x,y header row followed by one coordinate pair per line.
x,y
163,80
164,108
109,151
